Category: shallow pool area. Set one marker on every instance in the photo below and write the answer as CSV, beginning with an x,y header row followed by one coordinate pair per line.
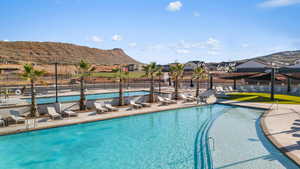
x,y
44,100
173,139
240,142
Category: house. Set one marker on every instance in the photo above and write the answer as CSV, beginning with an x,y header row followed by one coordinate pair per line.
x,y
192,65
252,66
10,69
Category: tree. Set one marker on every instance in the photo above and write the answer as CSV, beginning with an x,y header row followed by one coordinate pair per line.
x,y
199,73
176,72
159,74
151,71
84,69
121,75
33,75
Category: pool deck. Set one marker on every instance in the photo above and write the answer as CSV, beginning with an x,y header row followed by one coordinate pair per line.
x,y
91,116
281,125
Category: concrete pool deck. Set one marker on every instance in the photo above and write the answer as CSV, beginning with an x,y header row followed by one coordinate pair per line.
x,y
90,116
281,125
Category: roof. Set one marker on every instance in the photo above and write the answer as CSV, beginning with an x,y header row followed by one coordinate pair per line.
x,y
251,64
237,76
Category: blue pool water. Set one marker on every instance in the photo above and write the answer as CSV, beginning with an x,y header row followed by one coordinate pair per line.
x,y
175,139
43,100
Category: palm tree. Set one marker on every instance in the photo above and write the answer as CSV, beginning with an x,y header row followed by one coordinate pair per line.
x,y
84,69
176,72
199,73
31,74
159,74
151,71
121,75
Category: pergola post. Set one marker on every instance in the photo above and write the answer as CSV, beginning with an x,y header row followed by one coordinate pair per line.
x,y
56,84
272,83
211,82
234,84
289,85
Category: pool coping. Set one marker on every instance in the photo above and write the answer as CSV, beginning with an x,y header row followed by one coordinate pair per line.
x,y
266,131
113,115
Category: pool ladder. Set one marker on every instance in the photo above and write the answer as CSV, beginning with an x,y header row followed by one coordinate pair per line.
x,y
213,143
30,123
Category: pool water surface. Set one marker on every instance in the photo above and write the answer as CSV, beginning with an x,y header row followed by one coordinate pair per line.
x,y
44,100
175,139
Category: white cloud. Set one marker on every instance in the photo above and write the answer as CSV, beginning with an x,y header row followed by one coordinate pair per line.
x,y
96,39
278,3
196,14
117,37
155,47
174,6
245,45
182,51
5,40
210,52
213,43
132,44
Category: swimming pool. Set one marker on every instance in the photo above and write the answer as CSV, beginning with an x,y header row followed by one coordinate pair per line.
x,y
44,100
175,139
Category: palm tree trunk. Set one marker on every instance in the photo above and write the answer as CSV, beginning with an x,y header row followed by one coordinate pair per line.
x,y
159,84
82,94
198,87
34,112
151,100
121,98
176,88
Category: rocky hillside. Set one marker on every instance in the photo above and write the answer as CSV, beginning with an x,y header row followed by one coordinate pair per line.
x,y
48,52
280,58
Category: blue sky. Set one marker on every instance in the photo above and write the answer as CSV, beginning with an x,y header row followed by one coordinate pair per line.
x,y
159,30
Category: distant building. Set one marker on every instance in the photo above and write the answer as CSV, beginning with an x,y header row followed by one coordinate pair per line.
x,y
190,66
252,66
9,69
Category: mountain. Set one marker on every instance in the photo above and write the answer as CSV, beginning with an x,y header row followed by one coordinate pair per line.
x,y
281,58
48,52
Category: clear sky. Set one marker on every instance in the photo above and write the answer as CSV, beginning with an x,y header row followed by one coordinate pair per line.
x,y
159,30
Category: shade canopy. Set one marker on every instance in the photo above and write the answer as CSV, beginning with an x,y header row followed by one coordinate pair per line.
x,y
237,76
290,69
267,77
292,76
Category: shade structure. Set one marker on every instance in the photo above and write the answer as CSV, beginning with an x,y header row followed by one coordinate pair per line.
x,y
237,76
292,76
267,77
290,69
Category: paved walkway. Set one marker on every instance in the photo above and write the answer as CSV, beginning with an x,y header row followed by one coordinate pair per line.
x,y
281,124
43,123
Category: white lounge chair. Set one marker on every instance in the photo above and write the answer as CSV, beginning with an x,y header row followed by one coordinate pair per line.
x,y
2,122
135,105
99,108
243,89
53,114
163,101
17,119
70,113
170,101
294,91
110,107
144,104
231,89
191,96
185,98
